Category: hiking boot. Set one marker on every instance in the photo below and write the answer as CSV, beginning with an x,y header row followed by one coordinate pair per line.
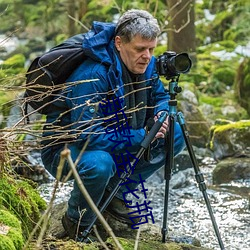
x,y
74,231
119,211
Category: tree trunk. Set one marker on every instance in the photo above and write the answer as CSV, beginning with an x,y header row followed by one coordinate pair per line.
x,y
71,6
181,27
83,7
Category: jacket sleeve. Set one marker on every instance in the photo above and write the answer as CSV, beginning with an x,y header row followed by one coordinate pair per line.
x,y
87,118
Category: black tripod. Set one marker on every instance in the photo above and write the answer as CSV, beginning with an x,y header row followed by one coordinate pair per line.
x,y
173,90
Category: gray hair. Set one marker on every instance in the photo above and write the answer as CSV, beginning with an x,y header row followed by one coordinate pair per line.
x,y
137,22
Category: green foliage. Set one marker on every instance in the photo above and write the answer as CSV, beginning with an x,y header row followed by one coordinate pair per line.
x,y
17,61
242,84
12,67
229,23
224,75
219,102
214,101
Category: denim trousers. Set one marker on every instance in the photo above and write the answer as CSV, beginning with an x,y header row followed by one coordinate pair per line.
x,y
98,172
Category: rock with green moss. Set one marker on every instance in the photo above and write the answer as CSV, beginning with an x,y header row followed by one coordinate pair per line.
x,y
232,139
21,199
230,142
11,237
150,236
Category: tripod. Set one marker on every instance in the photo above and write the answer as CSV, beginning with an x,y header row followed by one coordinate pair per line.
x,y
173,114
173,90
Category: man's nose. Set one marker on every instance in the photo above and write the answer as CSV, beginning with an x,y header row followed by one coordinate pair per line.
x,y
146,54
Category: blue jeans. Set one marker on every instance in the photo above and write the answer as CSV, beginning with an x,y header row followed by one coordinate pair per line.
x,y
97,170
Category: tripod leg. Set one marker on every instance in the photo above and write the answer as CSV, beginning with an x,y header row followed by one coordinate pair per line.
x,y
144,145
168,172
199,176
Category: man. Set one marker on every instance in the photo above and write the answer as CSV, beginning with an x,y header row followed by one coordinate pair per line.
x,y
121,69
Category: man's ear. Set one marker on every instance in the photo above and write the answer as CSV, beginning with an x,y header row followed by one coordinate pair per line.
x,y
118,43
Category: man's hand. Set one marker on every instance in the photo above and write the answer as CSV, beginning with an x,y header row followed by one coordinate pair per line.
x,y
164,128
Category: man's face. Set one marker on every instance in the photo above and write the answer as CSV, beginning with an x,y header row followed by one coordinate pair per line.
x,y
137,53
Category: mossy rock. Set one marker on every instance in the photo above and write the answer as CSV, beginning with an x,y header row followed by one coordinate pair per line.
x,y
21,199
232,139
144,244
11,237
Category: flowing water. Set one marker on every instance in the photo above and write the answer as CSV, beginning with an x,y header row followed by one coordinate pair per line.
x,y
187,212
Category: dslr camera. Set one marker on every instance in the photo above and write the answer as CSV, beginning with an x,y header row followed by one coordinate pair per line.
x,y
171,65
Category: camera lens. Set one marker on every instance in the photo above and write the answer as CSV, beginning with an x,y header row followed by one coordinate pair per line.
x,y
182,63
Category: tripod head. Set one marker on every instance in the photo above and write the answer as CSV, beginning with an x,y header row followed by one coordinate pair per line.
x,y
174,89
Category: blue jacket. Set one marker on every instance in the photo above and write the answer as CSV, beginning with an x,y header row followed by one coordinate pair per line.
x,y
84,120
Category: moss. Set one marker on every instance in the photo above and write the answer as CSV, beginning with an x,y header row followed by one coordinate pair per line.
x,y
220,131
21,199
9,219
13,239
16,237
225,75
235,125
16,61
214,101
128,244
6,243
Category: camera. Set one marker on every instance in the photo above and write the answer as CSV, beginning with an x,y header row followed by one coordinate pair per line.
x,y
171,65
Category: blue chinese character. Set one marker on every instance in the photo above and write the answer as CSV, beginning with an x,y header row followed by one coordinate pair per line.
x,y
123,162
141,216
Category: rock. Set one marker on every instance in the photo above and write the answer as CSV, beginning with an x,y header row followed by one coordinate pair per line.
x,y
150,235
197,125
232,139
181,179
231,169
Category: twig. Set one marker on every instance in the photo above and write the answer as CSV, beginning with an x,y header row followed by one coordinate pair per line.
x,y
137,239
66,154
99,238
45,217
77,21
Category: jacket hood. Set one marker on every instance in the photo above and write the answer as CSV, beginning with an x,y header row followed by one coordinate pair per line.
x,y
98,43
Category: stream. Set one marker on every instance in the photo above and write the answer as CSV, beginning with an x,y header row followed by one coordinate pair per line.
x,y
187,212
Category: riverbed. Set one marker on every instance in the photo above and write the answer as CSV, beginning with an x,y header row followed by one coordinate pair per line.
x,y
187,212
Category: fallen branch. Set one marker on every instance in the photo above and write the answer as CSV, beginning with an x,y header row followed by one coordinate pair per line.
x,y
65,154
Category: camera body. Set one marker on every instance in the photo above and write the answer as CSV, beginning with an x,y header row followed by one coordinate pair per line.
x,y
171,65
